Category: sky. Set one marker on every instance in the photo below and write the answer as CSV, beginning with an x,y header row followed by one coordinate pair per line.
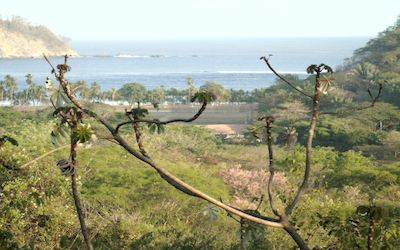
x,y
205,19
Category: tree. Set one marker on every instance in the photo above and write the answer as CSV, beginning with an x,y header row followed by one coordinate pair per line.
x,y
383,50
217,89
11,87
95,92
40,93
32,88
2,90
365,71
157,96
191,88
239,96
175,95
113,94
291,111
81,89
133,93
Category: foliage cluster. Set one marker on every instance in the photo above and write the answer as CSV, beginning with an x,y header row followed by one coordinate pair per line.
x,y
143,217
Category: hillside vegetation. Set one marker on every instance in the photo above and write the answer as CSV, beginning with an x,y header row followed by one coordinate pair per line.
x,y
351,200
128,206
19,38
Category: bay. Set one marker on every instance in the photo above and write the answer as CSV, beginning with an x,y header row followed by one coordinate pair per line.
x,y
234,63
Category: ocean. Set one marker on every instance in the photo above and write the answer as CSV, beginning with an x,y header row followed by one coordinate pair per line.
x,y
234,63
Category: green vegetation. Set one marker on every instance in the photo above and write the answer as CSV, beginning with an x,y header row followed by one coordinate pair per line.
x,y
146,212
128,206
351,201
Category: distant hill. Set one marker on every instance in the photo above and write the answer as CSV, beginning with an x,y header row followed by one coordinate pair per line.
x,y
382,51
18,38
377,62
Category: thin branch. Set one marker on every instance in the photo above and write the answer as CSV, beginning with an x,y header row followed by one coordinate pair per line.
x,y
260,202
43,156
74,186
229,214
242,229
80,213
296,237
76,118
313,124
52,103
266,60
233,218
108,139
373,102
51,65
371,230
73,242
253,212
269,120
158,122
138,134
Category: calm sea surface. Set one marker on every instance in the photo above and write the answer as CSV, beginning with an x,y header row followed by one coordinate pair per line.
x,y
234,63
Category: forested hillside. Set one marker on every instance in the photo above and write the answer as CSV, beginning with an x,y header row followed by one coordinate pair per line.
x,y
382,51
379,60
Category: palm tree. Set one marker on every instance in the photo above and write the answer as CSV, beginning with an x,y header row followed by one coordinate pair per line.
x,y
40,93
113,94
191,88
56,95
30,93
95,92
11,86
81,89
2,90
365,71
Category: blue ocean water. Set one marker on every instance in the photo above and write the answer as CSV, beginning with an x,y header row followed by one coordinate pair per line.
x,y
233,63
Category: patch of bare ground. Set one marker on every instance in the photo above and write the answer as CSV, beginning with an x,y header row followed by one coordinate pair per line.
x,y
227,128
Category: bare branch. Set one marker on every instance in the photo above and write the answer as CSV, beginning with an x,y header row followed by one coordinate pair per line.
x,y
269,120
266,60
138,133
51,65
260,202
373,102
108,139
230,216
158,122
313,124
76,118
43,156
296,237
254,213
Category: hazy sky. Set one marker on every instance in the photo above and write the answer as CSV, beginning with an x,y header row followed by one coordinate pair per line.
x,y
200,19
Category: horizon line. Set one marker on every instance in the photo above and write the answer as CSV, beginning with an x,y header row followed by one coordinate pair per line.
x,y
214,38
